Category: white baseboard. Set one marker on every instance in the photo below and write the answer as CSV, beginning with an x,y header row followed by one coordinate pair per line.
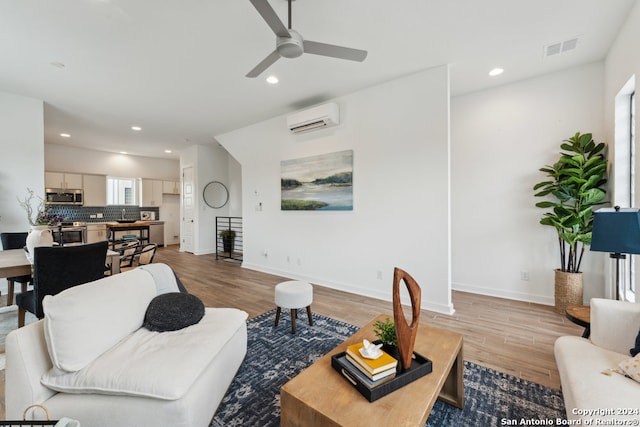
x,y
345,287
501,293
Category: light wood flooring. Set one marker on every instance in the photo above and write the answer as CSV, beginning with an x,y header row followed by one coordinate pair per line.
x,y
509,336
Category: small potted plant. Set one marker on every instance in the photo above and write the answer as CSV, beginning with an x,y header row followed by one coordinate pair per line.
x,y
228,237
386,333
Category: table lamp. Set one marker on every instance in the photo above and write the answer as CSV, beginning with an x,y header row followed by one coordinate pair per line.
x,y
617,231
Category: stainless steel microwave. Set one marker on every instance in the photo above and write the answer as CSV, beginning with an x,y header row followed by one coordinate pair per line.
x,y
58,196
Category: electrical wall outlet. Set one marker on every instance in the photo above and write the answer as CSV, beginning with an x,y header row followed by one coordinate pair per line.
x,y
524,275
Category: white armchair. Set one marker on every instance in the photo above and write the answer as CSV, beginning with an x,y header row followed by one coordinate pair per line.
x,y
588,392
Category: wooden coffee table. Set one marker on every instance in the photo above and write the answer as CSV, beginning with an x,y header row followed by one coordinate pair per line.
x,y
320,396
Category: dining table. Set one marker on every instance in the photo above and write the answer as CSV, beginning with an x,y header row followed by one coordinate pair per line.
x,y
14,262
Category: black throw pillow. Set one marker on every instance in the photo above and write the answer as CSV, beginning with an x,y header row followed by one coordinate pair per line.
x,y
636,349
173,311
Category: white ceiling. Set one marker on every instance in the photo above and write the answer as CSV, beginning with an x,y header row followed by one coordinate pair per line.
x,y
177,68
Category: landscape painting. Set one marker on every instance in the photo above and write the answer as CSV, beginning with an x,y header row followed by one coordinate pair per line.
x,y
321,182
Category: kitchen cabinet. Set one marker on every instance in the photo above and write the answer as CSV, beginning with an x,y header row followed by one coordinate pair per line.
x,y
171,187
63,180
151,192
95,190
96,233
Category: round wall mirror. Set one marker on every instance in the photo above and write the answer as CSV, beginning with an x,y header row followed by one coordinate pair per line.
x,y
215,194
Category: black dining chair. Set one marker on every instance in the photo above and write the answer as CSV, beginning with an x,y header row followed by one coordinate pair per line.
x,y
57,268
16,240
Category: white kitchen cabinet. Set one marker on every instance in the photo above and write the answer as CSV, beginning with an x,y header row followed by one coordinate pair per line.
x,y
151,192
63,180
96,233
95,190
171,187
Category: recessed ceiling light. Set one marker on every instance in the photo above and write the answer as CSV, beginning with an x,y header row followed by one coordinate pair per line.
x,y
167,151
272,79
136,128
496,72
65,135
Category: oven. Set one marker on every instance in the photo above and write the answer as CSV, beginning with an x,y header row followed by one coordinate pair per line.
x,y
70,233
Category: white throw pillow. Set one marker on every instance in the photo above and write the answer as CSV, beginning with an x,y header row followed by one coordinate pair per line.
x,y
83,322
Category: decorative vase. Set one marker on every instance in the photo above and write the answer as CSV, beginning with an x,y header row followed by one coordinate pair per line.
x,y
568,290
40,235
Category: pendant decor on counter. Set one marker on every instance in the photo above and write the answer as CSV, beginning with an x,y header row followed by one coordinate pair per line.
x,y
405,333
40,235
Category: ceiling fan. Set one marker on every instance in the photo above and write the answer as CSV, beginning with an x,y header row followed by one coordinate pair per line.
x,y
290,44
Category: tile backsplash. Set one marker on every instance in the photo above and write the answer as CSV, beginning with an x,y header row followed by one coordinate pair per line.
x,y
109,213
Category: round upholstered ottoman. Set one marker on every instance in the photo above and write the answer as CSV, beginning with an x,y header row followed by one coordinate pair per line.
x,y
294,295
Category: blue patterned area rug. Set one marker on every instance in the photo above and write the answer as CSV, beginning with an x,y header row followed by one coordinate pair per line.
x,y
274,356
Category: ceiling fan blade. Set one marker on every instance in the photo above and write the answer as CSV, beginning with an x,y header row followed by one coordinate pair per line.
x,y
332,50
269,15
264,64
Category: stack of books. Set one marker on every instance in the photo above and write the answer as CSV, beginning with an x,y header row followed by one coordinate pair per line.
x,y
377,371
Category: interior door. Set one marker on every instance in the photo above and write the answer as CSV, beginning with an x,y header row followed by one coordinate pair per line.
x,y
188,210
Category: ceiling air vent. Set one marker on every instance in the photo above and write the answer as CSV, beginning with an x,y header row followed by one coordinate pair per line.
x,y
560,47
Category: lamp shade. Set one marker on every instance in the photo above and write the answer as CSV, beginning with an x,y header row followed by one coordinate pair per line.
x,y
616,230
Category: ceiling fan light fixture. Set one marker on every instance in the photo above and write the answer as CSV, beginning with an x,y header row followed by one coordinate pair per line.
x,y
290,47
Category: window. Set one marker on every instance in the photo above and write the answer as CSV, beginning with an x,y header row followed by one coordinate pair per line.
x,y
121,191
625,174
631,285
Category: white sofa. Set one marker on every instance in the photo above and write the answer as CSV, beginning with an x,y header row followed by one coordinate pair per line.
x,y
588,392
89,359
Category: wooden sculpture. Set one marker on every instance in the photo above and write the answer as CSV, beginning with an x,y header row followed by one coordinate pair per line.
x,y
405,333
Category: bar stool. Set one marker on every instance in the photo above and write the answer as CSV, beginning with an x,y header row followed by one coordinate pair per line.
x,y
293,295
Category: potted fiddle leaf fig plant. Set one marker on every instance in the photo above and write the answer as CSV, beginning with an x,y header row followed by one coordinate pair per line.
x,y
574,185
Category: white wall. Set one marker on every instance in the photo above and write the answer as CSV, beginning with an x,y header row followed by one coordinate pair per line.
x,y
500,138
621,65
399,134
235,186
22,143
211,163
63,158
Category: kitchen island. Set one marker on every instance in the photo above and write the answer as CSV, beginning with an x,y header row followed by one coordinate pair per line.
x,y
117,231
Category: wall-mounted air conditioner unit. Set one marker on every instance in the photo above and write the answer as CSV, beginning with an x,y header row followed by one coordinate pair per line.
x,y
320,117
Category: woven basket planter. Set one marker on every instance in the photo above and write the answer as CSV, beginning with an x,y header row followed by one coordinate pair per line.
x,y
568,290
